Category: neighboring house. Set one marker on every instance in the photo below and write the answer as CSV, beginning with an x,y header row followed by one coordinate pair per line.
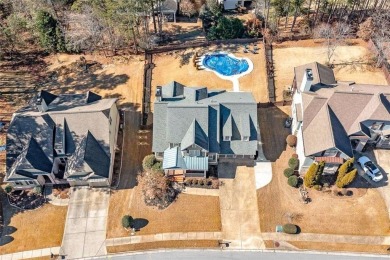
x,y
62,139
194,127
232,4
333,119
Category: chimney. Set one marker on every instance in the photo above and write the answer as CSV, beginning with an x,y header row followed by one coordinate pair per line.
x,y
159,93
41,103
307,81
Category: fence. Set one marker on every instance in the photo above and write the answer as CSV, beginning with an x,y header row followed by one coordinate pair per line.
x,y
148,67
201,43
275,103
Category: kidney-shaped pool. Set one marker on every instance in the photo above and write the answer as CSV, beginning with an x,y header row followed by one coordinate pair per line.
x,y
225,64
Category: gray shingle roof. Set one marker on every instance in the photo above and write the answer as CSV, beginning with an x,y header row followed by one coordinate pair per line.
x,y
195,136
173,117
70,115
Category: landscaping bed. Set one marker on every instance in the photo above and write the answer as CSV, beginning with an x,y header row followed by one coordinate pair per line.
x,y
209,183
26,199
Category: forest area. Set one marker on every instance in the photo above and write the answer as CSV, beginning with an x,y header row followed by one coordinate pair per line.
x,y
75,26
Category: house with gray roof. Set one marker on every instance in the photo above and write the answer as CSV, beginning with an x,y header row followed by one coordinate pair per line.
x,y
193,127
333,119
59,139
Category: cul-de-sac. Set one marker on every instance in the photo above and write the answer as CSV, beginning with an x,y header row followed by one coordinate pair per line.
x,y
195,129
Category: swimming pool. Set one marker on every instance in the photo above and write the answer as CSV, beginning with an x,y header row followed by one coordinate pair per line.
x,y
224,64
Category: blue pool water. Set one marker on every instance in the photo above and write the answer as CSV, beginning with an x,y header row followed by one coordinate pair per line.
x,y
224,64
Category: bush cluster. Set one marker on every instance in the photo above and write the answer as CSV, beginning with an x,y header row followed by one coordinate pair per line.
x,y
347,179
127,221
293,163
291,140
288,172
346,174
313,175
290,229
293,181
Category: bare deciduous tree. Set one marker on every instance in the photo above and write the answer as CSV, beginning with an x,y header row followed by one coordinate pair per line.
x,y
335,35
187,7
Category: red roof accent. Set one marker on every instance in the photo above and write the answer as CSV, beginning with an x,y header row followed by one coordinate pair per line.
x,y
328,159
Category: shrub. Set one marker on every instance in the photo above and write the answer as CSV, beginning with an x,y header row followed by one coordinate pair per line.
x,y
288,172
291,140
317,187
320,170
293,181
201,182
347,179
127,221
188,182
195,181
8,189
290,229
157,167
148,162
38,190
293,163
309,178
344,169
208,182
294,155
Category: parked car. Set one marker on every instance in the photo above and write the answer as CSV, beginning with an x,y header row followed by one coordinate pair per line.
x,y
287,228
370,168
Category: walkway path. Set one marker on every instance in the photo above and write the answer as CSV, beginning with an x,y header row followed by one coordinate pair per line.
x,y
164,237
239,209
263,174
327,238
85,227
201,191
31,253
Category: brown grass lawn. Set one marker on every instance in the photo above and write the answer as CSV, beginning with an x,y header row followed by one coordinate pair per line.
x,y
36,229
164,244
321,246
178,66
118,77
326,213
288,55
189,213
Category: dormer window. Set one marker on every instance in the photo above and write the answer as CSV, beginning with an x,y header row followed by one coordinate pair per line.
x,y
245,138
227,138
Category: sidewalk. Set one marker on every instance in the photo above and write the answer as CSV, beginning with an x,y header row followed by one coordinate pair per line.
x,y
32,253
164,237
201,191
329,238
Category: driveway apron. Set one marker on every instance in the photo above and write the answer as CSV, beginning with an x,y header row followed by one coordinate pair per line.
x,y
85,227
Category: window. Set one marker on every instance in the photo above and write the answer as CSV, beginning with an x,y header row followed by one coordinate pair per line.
x,y
211,157
30,182
110,120
19,183
194,152
245,138
227,138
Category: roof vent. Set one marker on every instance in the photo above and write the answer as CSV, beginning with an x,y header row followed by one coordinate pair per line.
x,y
309,74
159,93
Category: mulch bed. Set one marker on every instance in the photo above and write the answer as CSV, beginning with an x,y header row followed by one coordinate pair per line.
x,y
26,199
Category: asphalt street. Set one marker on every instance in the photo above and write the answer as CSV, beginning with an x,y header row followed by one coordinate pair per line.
x,y
237,255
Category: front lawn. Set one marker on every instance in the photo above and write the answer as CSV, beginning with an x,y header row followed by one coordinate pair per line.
x,y
189,213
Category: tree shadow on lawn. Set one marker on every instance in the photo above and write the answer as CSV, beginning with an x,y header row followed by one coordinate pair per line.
x,y
140,223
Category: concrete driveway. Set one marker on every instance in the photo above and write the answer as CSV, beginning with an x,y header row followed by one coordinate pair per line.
x,y
85,227
239,209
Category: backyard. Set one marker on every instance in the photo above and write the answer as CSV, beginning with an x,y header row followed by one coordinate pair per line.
x,y
350,61
178,66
